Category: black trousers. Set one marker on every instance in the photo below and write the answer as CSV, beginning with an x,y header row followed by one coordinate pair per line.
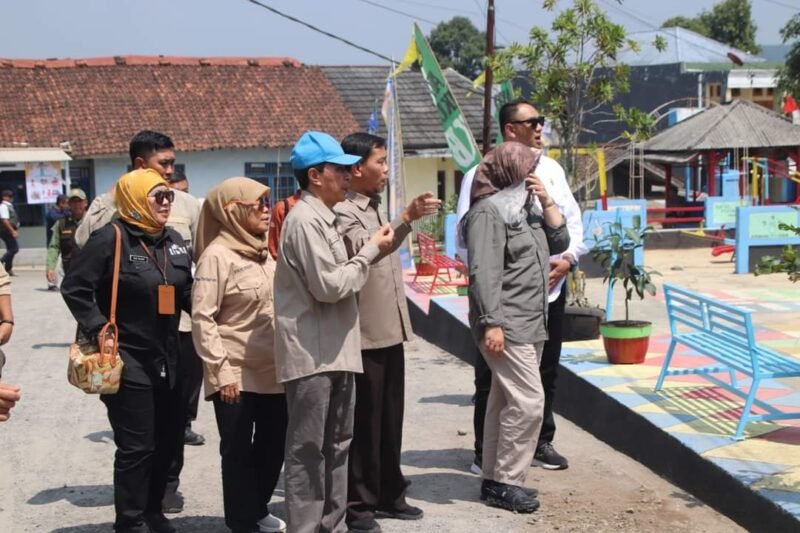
x,y
252,435
548,368
189,382
374,477
12,247
548,365
145,420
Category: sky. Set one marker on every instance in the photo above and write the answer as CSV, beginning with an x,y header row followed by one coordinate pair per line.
x,y
96,28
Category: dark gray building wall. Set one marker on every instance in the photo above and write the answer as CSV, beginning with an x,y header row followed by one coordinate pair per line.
x,y
650,88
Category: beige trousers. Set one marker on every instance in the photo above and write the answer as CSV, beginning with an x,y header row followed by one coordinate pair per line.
x,y
514,413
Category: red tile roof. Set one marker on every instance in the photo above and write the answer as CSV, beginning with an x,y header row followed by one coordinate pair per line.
x,y
98,104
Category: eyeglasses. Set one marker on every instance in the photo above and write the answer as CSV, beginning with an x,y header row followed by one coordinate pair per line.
x,y
264,202
532,122
162,195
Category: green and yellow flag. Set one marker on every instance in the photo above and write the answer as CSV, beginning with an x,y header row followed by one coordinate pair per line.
x,y
463,147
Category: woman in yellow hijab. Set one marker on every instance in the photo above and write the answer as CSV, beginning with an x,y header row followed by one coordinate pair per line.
x,y
233,332
155,283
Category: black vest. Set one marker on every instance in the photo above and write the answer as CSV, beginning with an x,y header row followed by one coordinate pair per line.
x,y
66,243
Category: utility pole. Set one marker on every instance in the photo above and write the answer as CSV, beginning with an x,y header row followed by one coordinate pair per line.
x,y
487,87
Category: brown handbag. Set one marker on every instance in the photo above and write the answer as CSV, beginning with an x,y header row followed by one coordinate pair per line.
x,y
93,369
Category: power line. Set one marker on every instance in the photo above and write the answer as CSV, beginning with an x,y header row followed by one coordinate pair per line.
x,y
318,30
433,6
397,11
650,25
777,3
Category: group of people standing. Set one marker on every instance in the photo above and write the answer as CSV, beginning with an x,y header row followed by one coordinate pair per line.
x,y
289,367
295,322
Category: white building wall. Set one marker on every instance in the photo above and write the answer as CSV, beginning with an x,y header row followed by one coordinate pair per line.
x,y
204,169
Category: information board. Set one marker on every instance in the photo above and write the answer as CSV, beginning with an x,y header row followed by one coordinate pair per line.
x,y
765,225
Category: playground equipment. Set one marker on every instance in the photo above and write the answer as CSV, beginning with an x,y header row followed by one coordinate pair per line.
x,y
772,182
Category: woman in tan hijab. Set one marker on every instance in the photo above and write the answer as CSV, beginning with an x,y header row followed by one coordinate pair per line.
x,y
233,331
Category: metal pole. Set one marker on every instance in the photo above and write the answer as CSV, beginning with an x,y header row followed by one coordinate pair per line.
x,y
487,88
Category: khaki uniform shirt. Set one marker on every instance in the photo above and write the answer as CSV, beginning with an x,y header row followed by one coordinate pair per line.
x,y
315,294
382,308
233,321
182,217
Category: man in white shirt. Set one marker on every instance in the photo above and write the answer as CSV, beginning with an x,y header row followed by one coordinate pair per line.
x,y
9,226
521,122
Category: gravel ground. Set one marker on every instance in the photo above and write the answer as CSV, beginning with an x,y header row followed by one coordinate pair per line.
x,y
56,459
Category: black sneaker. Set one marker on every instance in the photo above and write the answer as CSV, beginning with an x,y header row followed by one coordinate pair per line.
x,y
364,525
158,523
190,438
533,493
172,502
407,512
548,458
510,497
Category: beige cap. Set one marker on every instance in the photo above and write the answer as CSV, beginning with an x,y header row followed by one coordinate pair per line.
x,y
76,193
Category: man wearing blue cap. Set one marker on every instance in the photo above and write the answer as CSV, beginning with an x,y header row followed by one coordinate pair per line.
x,y
317,337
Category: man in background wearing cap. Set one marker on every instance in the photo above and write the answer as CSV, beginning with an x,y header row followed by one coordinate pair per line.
x,y
156,151
62,242
316,286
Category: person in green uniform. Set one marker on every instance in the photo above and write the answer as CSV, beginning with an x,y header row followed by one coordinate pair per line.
x,y
63,240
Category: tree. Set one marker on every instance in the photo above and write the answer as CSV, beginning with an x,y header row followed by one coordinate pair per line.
x,y
729,22
698,24
573,70
458,44
789,73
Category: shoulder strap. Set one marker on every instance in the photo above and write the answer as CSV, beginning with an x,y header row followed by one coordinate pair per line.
x,y
115,279
285,206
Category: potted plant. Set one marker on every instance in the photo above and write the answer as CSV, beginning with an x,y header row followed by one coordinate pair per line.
x,y
625,341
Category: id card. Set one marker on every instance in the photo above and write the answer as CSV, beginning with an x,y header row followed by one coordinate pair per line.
x,y
166,299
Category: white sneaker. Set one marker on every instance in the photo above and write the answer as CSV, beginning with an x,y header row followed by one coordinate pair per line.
x,y
475,469
271,524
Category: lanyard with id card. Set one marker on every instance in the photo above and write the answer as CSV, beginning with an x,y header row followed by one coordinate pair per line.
x,y
166,292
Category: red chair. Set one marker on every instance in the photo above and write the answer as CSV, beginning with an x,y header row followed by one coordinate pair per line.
x,y
429,257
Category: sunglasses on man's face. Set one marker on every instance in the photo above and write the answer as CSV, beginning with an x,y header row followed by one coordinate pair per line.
x,y
162,195
532,122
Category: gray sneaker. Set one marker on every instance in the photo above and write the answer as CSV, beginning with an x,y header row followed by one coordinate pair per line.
x,y
548,458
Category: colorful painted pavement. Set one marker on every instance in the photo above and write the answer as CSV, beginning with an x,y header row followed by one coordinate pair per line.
x,y
702,416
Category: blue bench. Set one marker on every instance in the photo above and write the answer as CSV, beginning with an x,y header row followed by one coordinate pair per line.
x,y
724,333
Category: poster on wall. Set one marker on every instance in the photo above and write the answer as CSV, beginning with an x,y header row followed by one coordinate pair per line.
x,y
43,182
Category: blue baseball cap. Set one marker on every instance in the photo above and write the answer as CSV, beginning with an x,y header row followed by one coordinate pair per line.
x,y
315,147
